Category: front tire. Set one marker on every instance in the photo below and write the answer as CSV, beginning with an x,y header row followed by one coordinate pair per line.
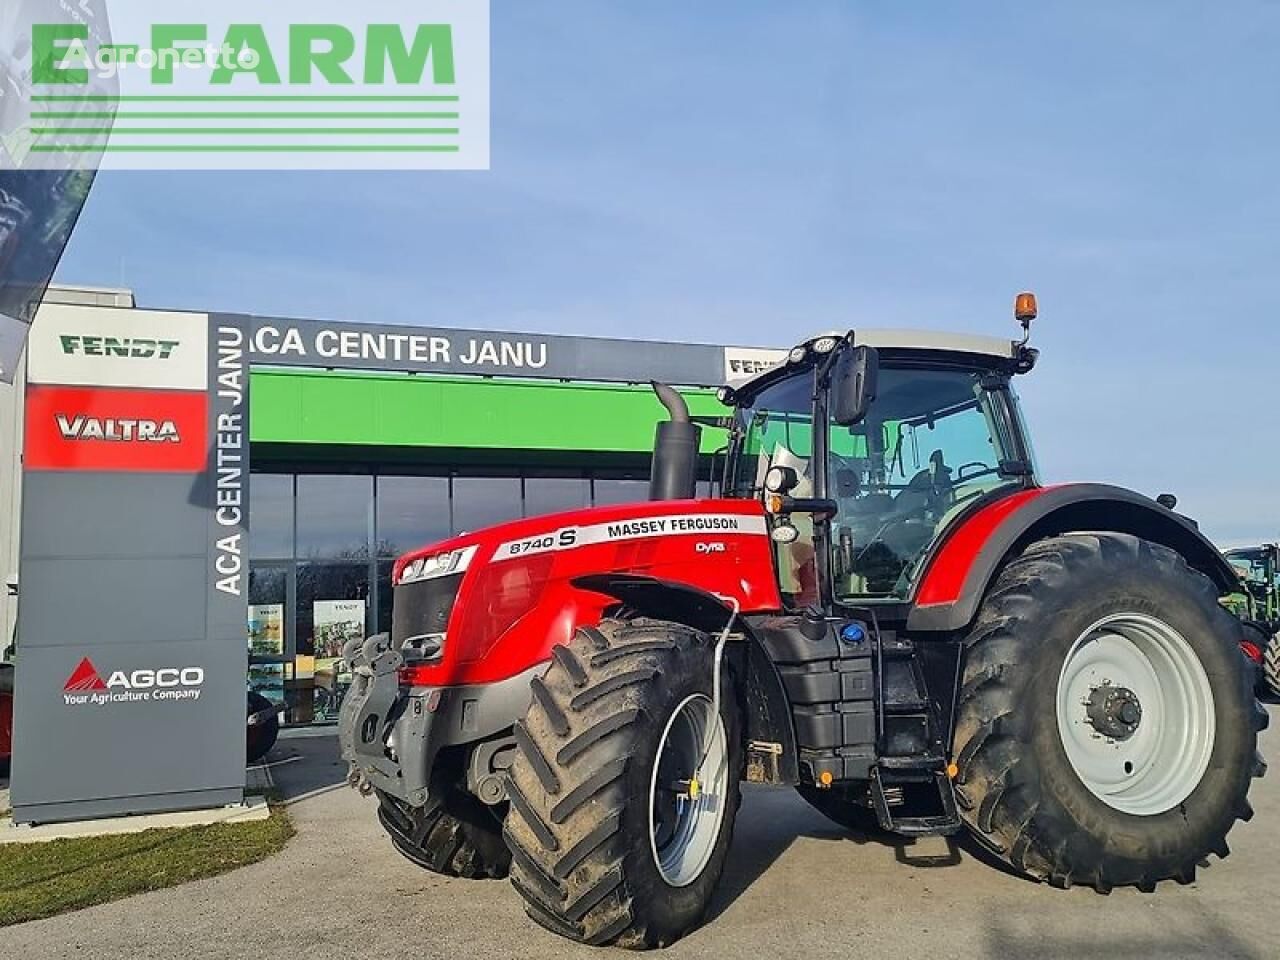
x,y
604,849
1106,731
455,834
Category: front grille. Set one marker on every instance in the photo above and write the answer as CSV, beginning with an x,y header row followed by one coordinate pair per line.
x,y
422,609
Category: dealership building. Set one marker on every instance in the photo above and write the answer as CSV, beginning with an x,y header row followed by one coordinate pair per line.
x,y
363,440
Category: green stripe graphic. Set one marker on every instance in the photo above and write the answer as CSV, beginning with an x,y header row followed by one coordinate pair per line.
x,y
266,131
244,148
228,98
243,115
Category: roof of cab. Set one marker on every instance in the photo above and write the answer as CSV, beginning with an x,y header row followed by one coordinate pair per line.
x,y
941,341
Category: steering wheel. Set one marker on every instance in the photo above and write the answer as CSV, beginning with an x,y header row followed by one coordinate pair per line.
x,y
983,470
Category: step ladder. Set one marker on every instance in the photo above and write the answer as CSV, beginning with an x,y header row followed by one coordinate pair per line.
x,y
911,761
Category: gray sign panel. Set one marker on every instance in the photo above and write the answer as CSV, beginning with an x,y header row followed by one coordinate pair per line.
x,y
130,687
367,346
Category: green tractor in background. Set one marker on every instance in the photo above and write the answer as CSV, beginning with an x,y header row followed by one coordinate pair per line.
x,y
1257,603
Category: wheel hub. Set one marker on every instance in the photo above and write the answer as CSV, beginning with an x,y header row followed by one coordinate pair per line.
x,y
1114,712
1135,713
686,793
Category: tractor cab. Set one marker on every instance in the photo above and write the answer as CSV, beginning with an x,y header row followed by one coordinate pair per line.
x,y
865,447
1259,569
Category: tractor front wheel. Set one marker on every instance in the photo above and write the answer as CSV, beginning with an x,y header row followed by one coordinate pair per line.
x,y
1106,732
625,785
455,834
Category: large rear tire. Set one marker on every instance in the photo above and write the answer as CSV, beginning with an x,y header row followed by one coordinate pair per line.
x,y
611,843
458,836
1106,731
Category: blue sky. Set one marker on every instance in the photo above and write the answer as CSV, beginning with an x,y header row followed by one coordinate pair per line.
x,y
749,172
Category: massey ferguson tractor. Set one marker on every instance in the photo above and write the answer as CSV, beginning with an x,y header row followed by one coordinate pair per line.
x,y
884,608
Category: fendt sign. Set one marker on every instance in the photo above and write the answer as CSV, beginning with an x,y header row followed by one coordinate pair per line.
x,y
137,347
152,350
131,699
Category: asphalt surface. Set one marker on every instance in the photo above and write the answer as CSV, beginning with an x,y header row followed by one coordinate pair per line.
x,y
795,886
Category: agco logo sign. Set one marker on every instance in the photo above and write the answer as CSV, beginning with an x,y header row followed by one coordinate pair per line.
x,y
86,686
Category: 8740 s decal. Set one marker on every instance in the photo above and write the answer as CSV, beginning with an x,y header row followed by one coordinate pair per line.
x,y
568,538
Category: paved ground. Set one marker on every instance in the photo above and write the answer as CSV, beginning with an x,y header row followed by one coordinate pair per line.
x,y
795,886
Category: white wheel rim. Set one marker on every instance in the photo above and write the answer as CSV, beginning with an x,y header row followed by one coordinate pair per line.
x,y
683,830
1150,766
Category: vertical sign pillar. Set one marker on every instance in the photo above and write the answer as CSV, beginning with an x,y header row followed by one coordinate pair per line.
x,y
131,654
227,582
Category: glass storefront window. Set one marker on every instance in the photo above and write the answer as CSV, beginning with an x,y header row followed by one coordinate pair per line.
x,y
332,609
268,644
385,594
620,491
335,514
412,512
483,501
270,515
555,494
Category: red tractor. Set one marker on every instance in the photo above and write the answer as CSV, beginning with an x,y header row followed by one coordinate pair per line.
x,y
884,608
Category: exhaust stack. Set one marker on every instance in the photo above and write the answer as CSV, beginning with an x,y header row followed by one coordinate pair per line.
x,y
674,474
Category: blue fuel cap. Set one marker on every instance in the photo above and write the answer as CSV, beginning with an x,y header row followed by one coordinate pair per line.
x,y
853,633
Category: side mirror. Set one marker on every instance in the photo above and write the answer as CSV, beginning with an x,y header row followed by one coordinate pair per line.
x,y
853,385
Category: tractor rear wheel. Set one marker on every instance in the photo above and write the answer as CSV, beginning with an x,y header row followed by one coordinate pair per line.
x,y
1106,732
625,785
457,837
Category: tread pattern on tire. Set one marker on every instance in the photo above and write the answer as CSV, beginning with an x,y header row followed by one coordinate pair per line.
x,y
999,806
1271,664
456,838
565,833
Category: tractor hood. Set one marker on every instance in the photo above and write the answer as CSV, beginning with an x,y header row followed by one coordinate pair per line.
x,y
558,532
504,595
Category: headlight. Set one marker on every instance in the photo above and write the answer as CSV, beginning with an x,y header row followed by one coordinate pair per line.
x,y
797,354
438,565
825,344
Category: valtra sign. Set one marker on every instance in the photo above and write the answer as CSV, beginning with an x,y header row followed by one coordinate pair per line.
x,y
75,428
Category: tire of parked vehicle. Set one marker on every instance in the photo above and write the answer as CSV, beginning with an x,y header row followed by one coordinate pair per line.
x,y
261,736
1107,728
625,785
455,834
841,809
1271,664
